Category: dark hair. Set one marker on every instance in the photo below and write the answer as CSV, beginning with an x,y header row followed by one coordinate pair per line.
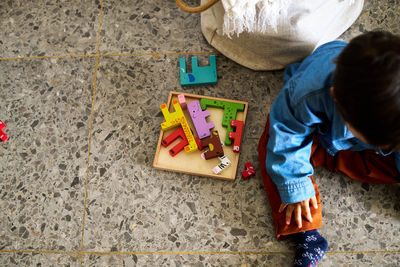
x,y
367,87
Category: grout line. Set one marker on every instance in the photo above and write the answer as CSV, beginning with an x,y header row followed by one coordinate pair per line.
x,y
154,54
187,252
46,57
365,252
91,124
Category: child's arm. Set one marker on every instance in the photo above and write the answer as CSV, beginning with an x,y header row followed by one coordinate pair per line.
x,y
303,105
289,149
293,122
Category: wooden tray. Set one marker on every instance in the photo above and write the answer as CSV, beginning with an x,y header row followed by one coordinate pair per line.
x,y
192,163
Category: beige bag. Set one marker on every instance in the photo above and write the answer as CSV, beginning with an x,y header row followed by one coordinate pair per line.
x,y
299,29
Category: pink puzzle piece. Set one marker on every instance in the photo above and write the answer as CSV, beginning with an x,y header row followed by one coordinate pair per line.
x,y
182,101
199,119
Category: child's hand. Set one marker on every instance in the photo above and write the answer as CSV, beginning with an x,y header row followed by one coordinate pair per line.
x,y
299,208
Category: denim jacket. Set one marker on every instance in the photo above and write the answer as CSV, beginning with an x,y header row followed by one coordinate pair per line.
x,y
305,107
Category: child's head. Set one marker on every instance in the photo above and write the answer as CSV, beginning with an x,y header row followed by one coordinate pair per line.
x,y
367,87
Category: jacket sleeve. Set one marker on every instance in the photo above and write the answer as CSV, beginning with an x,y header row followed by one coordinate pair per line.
x,y
288,151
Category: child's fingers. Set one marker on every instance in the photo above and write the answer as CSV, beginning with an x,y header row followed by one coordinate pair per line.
x,y
282,207
297,214
306,207
314,202
289,212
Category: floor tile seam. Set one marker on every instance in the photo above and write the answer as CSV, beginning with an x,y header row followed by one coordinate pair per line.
x,y
153,54
81,252
91,126
46,57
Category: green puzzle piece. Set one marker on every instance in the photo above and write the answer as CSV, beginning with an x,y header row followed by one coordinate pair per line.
x,y
230,111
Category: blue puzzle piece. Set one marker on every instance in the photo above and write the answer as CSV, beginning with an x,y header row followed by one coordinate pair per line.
x,y
200,75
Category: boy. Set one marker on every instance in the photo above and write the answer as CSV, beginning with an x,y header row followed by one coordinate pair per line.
x,y
339,108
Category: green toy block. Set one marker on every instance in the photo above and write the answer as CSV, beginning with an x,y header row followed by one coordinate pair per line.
x,y
200,75
230,111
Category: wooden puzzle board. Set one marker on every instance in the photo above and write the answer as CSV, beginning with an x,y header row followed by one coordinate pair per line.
x,y
192,163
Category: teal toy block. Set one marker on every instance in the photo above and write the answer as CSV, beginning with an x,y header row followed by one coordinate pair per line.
x,y
230,111
200,75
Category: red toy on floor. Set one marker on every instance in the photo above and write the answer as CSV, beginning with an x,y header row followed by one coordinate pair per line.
x,y
249,170
3,136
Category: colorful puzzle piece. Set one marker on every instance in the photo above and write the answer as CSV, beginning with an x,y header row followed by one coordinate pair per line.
x,y
249,170
214,145
182,101
225,162
176,118
199,119
230,111
172,137
3,136
200,75
206,149
237,135
198,142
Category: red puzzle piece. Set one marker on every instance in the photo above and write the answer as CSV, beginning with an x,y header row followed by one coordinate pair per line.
x,y
172,137
247,174
198,142
3,136
248,166
249,170
237,135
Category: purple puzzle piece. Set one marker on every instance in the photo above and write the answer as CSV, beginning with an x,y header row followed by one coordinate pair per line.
x,y
199,119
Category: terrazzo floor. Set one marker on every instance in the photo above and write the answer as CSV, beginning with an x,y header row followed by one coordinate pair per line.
x,y
81,83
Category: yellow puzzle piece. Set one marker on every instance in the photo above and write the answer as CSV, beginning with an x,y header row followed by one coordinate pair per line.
x,y
176,118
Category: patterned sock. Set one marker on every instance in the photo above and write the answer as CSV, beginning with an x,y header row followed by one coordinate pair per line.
x,y
310,249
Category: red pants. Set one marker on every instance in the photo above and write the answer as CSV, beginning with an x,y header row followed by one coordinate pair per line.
x,y
364,166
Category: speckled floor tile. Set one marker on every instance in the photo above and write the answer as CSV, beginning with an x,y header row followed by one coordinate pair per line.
x,y
38,260
357,215
43,28
46,107
361,259
376,15
187,260
144,26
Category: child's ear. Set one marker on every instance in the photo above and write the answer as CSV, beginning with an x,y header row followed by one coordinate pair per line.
x,y
333,92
